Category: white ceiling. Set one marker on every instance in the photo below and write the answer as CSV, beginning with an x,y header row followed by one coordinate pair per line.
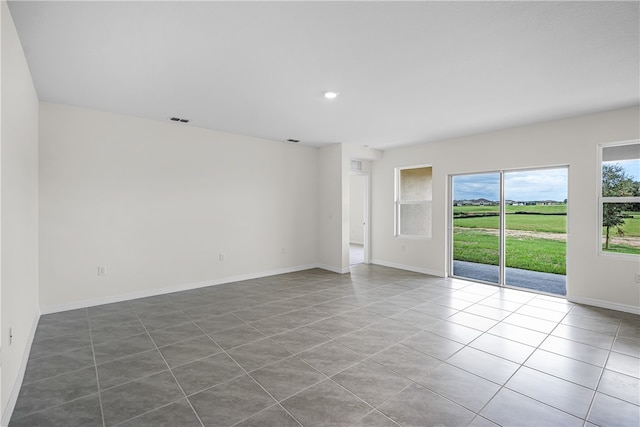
x,y
407,72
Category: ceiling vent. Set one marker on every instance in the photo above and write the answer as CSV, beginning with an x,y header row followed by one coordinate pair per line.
x,y
178,119
356,165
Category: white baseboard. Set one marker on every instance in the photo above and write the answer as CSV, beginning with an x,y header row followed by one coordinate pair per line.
x,y
409,268
633,309
170,289
15,389
334,269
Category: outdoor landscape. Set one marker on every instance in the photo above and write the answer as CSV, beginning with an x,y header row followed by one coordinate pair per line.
x,y
535,236
536,229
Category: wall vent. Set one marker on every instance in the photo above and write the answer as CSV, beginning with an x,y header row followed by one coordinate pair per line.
x,y
356,165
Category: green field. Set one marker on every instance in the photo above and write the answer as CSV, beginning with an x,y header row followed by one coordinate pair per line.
x,y
476,240
480,246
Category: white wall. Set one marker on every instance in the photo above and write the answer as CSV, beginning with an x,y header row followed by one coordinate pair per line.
x,y
330,209
19,202
594,279
156,203
356,208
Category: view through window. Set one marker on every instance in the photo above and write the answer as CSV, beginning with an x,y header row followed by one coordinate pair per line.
x,y
620,199
509,228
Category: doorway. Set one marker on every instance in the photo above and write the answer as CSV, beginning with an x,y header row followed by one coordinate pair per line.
x,y
358,218
510,228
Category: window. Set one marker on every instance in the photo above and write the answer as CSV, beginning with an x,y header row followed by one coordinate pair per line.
x,y
619,198
413,201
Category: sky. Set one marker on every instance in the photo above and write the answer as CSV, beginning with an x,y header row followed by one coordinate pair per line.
x,y
521,186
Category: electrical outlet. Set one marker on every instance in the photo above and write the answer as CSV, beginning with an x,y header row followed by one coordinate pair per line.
x,y
637,277
220,257
102,270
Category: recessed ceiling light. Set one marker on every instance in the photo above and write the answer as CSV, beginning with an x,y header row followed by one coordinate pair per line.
x,y
330,94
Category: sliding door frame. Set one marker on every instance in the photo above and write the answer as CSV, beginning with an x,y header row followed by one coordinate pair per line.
x,y
502,232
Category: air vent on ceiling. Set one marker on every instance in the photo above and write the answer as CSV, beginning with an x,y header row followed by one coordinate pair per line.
x,y
178,119
356,165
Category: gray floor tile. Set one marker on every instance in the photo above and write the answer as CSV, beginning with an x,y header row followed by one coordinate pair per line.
x,y
174,334
483,364
407,361
55,391
462,387
416,319
572,370
434,345
258,354
300,339
584,336
178,414
113,350
138,397
287,377
628,347
208,372
49,347
624,364
45,367
130,368
273,416
333,327
234,337
530,322
455,332
553,391
219,323
187,351
488,312
331,357
607,410
111,331
83,412
371,382
164,320
502,347
620,386
375,419
472,321
418,406
361,317
509,408
231,402
518,334
575,350
325,320
325,405
366,341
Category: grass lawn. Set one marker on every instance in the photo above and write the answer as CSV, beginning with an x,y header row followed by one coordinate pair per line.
x,y
527,253
472,243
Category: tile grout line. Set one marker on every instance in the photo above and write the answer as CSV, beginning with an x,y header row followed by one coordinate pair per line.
x,y
252,379
95,365
172,375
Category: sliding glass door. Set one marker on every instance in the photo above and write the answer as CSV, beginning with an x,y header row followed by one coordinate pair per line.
x,y
509,228
476,227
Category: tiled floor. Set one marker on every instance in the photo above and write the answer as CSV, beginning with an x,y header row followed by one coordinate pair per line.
x,y
381,347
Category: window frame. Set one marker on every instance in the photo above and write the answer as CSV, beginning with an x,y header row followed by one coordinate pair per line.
x,y
606,199
398,203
